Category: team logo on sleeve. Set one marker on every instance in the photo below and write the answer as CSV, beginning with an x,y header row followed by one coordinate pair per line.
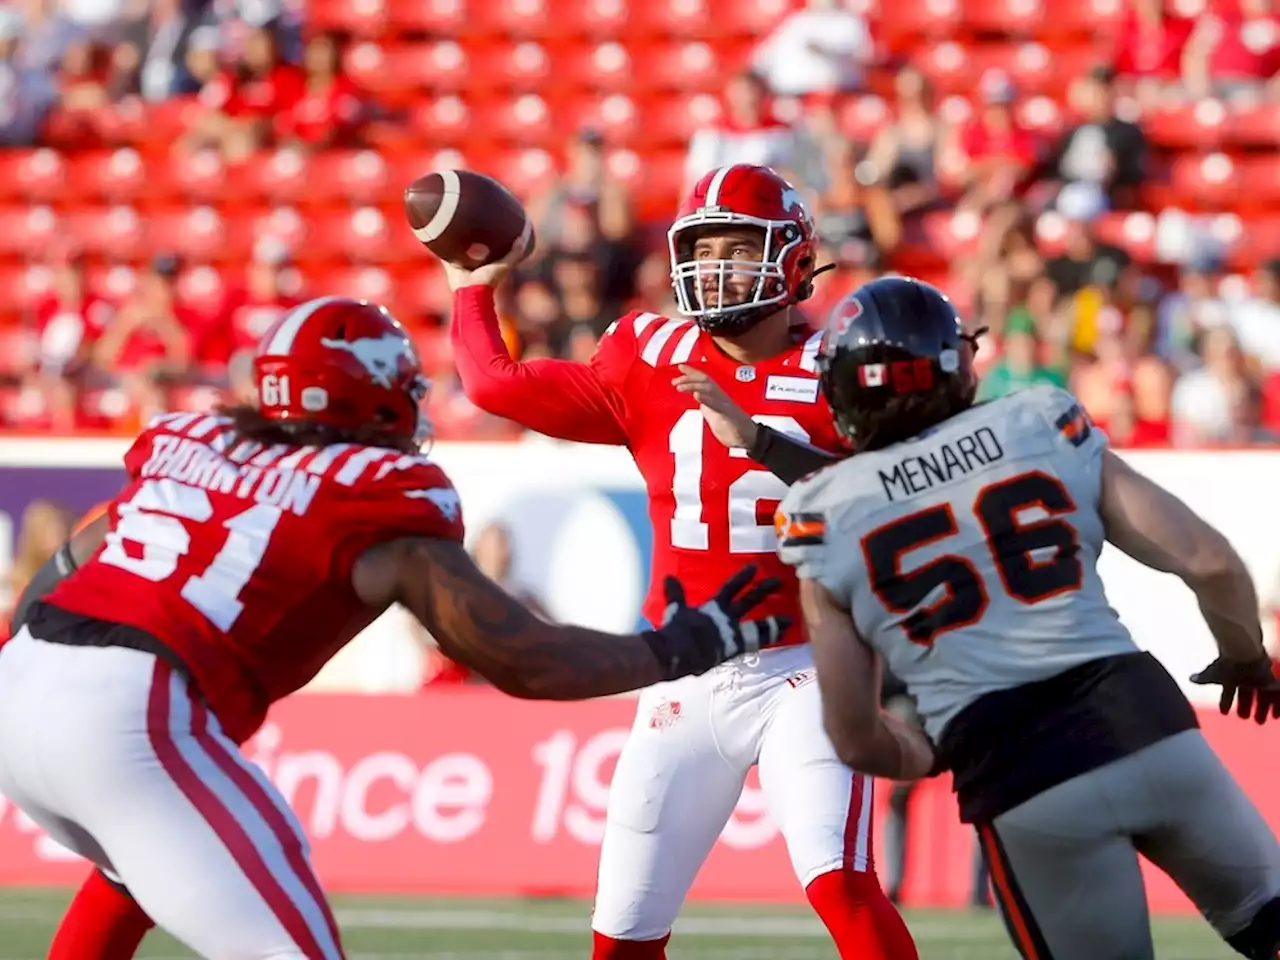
x,y
446,500
1075,425
800,529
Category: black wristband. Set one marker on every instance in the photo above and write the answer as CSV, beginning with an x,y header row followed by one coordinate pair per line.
x,y
660,646
786,458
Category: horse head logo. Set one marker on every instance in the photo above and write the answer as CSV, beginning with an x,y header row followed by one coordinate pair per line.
x,y
381,356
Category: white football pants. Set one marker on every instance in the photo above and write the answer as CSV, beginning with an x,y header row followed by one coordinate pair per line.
x,y
108,750
682,770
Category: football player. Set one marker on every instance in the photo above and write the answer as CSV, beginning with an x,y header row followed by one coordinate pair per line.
x,y
246,549
960,543
743,254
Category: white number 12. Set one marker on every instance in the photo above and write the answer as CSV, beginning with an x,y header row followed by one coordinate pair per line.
x,y
689,531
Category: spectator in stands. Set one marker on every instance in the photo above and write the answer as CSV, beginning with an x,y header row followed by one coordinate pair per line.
x,y
242,103
1183,314
69,322
819,49
151,59
1121,371
1257,319
1234,51
151,341
26,93
1102,150
852,208
1148,52
1077,266
1215,403
264,297
44,527
993,153
1020,363
903,153
654,292
748,132
585,184
46,35
580,287
578,238
1124,428
330,110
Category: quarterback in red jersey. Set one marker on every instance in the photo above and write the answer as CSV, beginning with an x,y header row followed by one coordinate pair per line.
x,y
246,549
743,254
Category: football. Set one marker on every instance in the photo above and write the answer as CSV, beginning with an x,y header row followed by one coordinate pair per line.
x,y
466,218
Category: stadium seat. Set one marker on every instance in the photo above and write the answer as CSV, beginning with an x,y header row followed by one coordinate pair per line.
x,y
524,120
202,288
506,18
861,118
112,232
199,234
1199,126
341,176
673,18
444,121
521,67
397,71
441,17
598,67
280,176
689,66
115,175
22,287
361,18
1099,19
26,231
673,120
900,23
1255,125
37,175
1018,17
591,18
525,172
615,116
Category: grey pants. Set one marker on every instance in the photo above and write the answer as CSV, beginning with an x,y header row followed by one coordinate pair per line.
x,y
1065,863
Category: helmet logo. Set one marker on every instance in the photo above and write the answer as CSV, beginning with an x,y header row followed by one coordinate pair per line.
x,y
791,198
842,318
380,356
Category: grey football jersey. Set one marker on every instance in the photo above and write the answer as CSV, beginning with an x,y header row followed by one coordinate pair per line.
x,y
968,555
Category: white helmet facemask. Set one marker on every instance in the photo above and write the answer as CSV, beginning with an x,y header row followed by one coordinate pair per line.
x,y
689,276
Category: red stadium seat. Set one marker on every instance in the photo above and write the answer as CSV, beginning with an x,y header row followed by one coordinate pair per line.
x,y
591,18
22,287
525,120
116,232
902,22
615,116
389,72
202,289
1135,233
365,282
445,121
199,176
506,18
362,236
423,290
19,350
673,120
674,18
1099,19
1207,182
690,66
861,118
280,176
442,17
747,18
525,172
1019,17
599,67
27,231
338,176
361,18
197,234
1203,125
36,175
1255,125
1040,115
523,67
118,175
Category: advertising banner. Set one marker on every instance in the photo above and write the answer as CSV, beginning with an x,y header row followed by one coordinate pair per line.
x,y
469,792
582,540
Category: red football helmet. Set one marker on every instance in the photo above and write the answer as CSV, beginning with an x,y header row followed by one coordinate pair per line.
x,y
742,195
346,364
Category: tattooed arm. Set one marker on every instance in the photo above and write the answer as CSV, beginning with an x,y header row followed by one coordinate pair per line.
x,y
478,624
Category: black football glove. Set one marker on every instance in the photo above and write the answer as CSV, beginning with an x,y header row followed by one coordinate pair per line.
x,y
692,640
1254,687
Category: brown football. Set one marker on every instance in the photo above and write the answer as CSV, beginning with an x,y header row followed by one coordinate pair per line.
x,y
466,218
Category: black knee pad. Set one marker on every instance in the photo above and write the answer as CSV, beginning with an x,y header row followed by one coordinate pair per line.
x,y
1260,940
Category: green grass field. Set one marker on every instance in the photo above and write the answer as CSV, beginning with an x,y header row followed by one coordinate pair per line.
x,y
387,928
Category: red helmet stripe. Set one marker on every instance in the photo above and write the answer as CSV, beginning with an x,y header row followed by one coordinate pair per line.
x,y
281,341
717,181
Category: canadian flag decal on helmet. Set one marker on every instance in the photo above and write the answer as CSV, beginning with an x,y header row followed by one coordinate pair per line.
x,y
381,356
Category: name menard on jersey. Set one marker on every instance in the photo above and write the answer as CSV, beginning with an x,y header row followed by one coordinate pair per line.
x,y
943,462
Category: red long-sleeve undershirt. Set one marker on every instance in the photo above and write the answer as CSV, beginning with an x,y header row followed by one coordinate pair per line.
x,y
559,398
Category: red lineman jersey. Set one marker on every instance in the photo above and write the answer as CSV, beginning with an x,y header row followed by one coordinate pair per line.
x,y
238,556
711,507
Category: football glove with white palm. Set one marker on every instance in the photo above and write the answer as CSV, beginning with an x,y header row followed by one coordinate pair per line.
x,y
692,640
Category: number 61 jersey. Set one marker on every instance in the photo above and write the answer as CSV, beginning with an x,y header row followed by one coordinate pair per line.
x,y
968,555
237,556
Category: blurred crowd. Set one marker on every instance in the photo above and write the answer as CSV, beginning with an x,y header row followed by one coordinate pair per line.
x,y
1025,198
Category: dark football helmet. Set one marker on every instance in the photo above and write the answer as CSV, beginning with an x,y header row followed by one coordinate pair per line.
x,y
895,360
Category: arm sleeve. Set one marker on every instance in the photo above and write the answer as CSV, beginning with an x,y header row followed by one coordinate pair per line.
x,y
787,458
559,398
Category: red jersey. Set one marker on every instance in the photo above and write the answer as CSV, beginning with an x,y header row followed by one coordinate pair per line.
x,y
238,557
711,507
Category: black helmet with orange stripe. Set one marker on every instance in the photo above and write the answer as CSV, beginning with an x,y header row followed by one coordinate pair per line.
x,y
895,361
